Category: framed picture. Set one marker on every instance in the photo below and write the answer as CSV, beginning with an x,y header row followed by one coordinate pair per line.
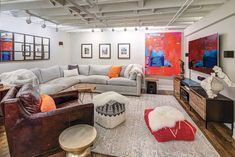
x,y
124,51
86,50
105,51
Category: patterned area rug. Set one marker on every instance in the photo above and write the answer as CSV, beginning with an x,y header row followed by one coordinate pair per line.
x,y
133,139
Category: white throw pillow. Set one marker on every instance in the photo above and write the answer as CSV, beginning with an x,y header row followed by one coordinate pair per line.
x,y
127,71
70,73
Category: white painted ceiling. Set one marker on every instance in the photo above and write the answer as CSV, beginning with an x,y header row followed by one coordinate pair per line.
x,y
83,14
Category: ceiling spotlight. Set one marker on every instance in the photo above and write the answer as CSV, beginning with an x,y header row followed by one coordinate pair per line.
x,y
28,20
113,30
57,29
136,28
125,29
101,30
92,30
43,25
146,28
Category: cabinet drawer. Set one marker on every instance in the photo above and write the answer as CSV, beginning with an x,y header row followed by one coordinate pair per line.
x,y
198,104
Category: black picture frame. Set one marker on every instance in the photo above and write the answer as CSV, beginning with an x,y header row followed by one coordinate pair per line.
x,y
109,51
128,55
83,53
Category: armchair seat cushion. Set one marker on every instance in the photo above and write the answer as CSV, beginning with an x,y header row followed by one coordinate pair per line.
x,y
95,79
122,81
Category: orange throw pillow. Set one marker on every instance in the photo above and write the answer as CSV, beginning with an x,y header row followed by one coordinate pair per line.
x,y
47,103
114,71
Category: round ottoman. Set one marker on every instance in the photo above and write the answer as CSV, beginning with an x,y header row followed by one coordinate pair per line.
x,y
111,114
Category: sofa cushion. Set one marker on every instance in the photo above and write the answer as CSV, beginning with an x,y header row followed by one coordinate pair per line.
x,y
75,66
95,79
114,71
62,68
50,88
122,81
47,103
123,70
99,69
37,72
50,73
84,69
70,73
30,98
65,81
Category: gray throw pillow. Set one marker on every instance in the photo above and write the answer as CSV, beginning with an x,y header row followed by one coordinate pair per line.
x,y
75,66
123,70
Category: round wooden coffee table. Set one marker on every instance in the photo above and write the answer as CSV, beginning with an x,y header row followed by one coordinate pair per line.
x,y
76,140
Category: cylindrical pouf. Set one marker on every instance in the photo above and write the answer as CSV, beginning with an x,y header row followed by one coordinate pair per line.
x,y
111,114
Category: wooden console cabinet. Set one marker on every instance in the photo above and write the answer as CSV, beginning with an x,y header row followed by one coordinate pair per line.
x,y
219,109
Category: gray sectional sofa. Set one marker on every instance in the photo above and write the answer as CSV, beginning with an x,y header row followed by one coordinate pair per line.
x,y
52,80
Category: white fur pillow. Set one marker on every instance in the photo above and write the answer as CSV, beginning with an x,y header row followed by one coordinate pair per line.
x,y
164,116
70,73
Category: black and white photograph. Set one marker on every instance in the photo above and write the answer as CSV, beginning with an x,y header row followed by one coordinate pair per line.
x,y
105,51
86,50
124,51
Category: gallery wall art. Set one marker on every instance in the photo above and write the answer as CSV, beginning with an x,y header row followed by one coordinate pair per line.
x,y
162,53
105,51
124,51
86,50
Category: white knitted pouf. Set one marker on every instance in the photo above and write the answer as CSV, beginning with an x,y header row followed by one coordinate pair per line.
x,y
110,114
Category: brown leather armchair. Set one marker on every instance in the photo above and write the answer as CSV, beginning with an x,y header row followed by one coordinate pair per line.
x,y
37,134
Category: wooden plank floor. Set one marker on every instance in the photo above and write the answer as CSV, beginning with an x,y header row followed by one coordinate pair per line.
x,y
218,134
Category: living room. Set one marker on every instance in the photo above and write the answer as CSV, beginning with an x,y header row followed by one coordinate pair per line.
x,y
107,68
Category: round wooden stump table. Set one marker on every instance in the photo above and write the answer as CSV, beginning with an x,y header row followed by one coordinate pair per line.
x,y
76,140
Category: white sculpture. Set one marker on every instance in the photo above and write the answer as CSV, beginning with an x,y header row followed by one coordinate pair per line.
x,y
213,85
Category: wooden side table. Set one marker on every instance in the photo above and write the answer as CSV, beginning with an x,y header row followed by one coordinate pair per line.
x,y
76,140
151,85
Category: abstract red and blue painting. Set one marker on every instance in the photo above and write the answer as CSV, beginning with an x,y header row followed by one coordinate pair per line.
x,y
162,53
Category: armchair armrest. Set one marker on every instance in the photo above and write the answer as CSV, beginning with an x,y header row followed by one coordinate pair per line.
x,y
66,96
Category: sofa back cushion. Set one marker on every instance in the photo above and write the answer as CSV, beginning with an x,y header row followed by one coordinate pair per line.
x,y
30,98
62,68
84,69
123,70
11,94
51,73
99,69
37,72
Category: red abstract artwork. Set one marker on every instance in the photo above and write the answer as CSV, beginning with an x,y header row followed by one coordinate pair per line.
x,y
162,53
203,53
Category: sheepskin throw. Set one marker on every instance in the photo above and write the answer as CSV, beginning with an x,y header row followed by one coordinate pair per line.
x,y
164,116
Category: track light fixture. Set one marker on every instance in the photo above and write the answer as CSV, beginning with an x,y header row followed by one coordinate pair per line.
x,y
101,30
43,25
136,28
113,30
125,29
92,30
28,20
146,28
